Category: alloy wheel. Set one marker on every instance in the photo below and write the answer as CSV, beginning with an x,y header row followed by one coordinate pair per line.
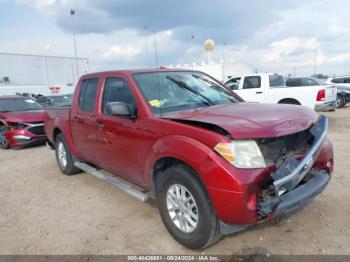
x,y
338,102
3,140
62,154
182,208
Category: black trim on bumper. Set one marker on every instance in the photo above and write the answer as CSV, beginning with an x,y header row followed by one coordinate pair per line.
x,y
288,202
302,194
32,142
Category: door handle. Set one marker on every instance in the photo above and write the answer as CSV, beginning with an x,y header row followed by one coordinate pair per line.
x,y
259,92
99,125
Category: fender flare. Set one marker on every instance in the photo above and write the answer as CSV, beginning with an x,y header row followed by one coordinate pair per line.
x,y
198,156
177,147
65,130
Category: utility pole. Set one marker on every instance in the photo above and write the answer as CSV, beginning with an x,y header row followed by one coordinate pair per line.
x,y
315,62
223,61
146,42
72,13
192,47
154,44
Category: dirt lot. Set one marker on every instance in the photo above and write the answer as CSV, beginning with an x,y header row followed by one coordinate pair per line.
x,y
44,212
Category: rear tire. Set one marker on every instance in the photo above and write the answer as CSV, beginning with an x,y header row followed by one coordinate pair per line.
x,y
340,101
64,157
4,144
185,208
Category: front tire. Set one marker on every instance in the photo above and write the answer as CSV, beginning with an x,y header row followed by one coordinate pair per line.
x,y
4,144
64,157
186,209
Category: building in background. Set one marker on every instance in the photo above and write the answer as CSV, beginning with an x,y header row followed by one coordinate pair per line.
x,y
222,70
21,73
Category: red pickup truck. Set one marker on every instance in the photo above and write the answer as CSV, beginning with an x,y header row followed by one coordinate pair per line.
x,y
215,163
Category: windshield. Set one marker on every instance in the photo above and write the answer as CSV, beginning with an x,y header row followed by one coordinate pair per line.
x,y
18,104
59,100
175,91
319,81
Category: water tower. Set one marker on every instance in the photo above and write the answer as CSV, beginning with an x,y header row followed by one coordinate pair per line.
x,y
209,45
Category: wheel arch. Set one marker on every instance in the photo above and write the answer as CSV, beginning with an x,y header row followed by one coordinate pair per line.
x,y
292,101
55,133
172,150
166,162
3,122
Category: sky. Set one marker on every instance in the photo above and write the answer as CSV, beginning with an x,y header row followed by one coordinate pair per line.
x,y
277,36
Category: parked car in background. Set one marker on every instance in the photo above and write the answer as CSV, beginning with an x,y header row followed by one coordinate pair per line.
x,y
21,122
339,80
271,88
343,96
311,81
216,164
54,101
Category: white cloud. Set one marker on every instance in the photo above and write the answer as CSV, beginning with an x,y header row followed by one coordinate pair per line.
x,y
279,49
47,46
339,58
118,51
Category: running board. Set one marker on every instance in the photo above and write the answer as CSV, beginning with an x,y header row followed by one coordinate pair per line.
x,y
113,180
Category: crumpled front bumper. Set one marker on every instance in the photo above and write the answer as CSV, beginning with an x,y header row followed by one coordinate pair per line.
x,y
294,183
303,194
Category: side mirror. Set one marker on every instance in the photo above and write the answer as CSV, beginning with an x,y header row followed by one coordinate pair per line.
x,y
118,109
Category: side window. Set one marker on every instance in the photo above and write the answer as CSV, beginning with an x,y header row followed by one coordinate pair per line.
x,y
252,82
307,82
117,90
347,80
87,95
234,83
338,80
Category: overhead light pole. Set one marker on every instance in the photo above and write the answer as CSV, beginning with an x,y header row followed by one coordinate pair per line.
x,y
72,13
315,61
152,30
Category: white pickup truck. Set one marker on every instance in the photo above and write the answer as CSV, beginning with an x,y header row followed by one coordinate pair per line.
x,y
271,88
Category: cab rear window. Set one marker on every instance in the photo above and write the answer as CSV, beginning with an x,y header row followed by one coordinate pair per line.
x,y
87,94
276,80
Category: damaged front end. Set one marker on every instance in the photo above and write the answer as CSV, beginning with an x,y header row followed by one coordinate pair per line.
x,y
295,180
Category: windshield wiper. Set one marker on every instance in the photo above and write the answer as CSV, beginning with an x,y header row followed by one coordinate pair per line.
x,y
215,86
185,86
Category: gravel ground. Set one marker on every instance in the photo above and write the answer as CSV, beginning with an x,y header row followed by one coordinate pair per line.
x,y
44,212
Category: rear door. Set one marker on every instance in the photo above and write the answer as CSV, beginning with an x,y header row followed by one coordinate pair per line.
x,y
250,89
83,120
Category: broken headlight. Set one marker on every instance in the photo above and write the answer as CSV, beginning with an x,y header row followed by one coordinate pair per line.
x,y
242,153
17,126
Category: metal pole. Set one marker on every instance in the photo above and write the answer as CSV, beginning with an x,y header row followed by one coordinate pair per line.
x,y
155,48
46,71
191,49
72,13
146,42
315,59
223,62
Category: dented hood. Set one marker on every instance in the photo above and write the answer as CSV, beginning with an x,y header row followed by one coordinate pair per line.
x,y
249,120
24,116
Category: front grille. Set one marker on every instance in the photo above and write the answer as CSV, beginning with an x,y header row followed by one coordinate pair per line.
x,y
275,150
37,130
